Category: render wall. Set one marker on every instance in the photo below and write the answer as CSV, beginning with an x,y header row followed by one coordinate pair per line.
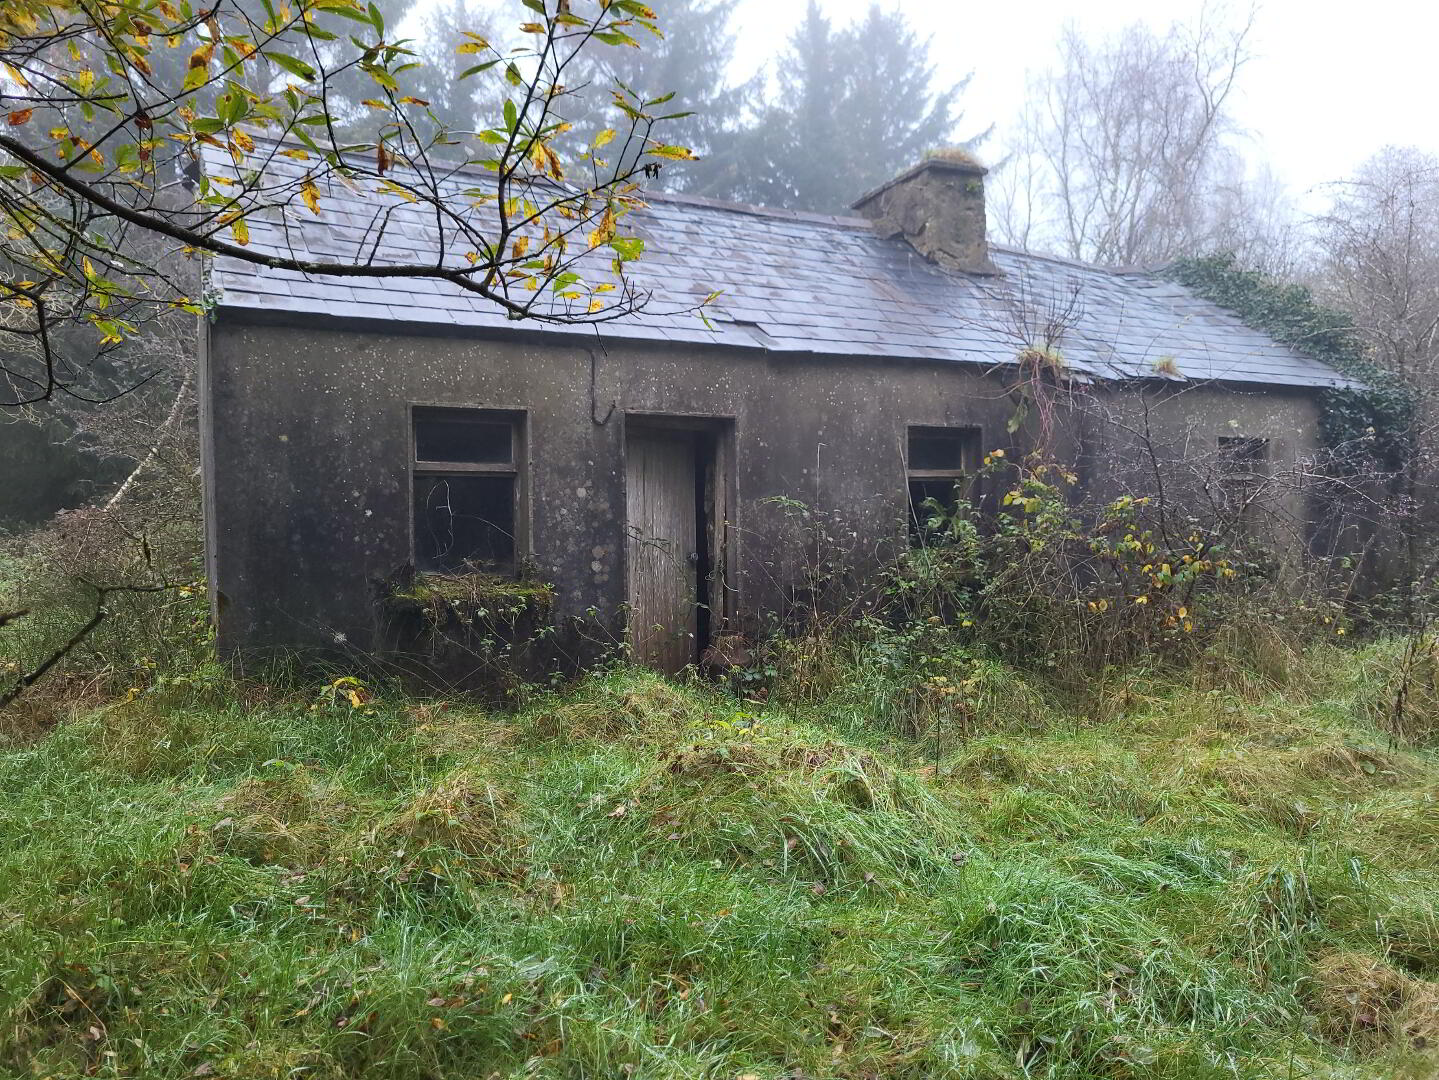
x,y
1169,436
307,458
307,454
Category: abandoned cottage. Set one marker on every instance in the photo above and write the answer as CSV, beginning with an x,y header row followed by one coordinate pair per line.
x,y
358,433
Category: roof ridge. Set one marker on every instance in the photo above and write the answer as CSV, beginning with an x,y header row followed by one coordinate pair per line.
x,y
1065,260
780,213
453,169
791,285
755,209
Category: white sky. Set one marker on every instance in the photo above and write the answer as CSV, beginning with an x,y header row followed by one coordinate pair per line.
x,y
1331,80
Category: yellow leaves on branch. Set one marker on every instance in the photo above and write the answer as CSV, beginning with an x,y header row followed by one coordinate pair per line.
x,y
605,232
198,72
238,229
397,191
544,160
16,76
673,153
311,194
240,144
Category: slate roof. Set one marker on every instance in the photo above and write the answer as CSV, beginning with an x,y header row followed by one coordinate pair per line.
x,y
795,283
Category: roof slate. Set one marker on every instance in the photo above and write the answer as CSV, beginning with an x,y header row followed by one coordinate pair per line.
x,y
796,283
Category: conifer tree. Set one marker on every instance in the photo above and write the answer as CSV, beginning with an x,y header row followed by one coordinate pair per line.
x,y
457,104
693,61
854,106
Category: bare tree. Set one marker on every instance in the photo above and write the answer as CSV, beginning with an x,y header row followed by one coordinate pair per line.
x,y
1379,261
1254,218
1379,244
1123,147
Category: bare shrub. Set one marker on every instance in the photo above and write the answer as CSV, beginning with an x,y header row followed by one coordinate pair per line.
x,y
134,575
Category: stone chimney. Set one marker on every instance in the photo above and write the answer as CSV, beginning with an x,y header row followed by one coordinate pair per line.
x,y
938,206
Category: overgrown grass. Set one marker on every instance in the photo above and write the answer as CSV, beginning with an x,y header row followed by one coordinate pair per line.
x,y
1222,874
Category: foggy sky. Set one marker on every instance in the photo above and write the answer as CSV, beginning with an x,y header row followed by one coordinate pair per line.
x,y
1330,83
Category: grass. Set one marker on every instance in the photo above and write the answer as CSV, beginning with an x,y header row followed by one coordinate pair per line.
x,y
1196,877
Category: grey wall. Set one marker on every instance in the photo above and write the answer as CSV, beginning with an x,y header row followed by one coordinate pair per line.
x,y
307,458
1173,432
307,454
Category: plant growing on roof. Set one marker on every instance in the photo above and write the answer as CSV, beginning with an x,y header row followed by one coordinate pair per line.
x,y
109,107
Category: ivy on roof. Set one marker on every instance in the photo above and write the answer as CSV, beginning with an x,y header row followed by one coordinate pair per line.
x,y
1373,421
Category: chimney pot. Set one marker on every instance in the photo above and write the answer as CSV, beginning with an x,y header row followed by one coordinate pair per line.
x,y
938,206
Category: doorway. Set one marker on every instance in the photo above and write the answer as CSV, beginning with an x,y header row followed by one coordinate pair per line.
x,y
675,522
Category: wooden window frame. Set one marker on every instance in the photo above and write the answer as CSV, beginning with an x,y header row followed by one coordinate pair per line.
x,y
1252,459
968,434
517,468
971,439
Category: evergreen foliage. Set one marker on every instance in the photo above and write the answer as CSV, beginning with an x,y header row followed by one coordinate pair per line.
x,y
46,471
854,107
692,62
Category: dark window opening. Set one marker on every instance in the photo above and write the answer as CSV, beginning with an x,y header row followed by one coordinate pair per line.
x,y
1242,456
931,503
1242,462
468,491
459,436
941,465
465,524
929,449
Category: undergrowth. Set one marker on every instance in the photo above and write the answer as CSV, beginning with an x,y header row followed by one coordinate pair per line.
x,y
1224,871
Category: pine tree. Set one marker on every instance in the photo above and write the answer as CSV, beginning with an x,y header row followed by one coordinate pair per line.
x,y
854,107
458,105
692,62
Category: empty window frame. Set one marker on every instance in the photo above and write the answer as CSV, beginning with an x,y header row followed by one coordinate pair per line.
x,y
941,464
1241,456
1243,464
468,488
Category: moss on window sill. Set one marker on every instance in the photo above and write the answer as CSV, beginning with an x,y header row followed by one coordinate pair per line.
x,y
471,598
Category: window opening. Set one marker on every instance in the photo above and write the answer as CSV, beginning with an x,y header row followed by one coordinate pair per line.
x,y
467,490
1242,463
941,465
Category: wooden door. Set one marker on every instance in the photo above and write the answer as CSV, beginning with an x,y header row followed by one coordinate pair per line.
x,y
662,515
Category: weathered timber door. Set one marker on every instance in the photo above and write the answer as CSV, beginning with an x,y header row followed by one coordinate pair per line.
x,y
664,542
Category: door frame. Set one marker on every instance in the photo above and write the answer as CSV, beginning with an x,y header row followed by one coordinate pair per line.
x,y
715,449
